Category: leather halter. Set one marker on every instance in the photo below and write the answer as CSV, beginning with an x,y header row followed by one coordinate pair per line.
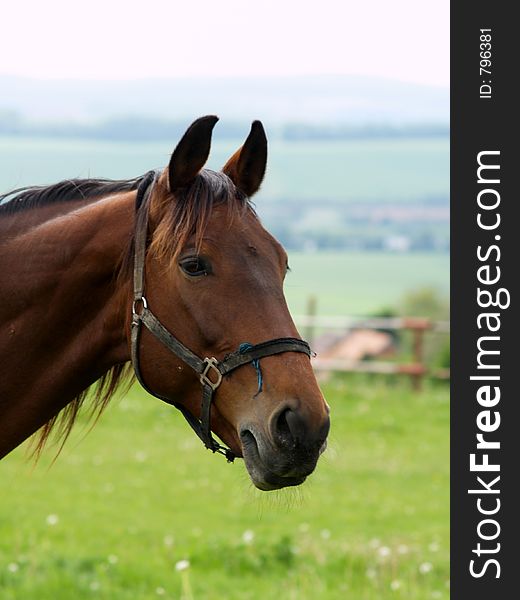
x,y
210,370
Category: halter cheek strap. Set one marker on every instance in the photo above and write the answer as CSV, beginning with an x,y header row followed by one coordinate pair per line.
x,y
210,370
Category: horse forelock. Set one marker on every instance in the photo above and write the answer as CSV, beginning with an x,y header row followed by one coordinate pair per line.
x,y
186,215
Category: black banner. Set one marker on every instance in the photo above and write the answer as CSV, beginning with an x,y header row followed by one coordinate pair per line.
x,y
485,423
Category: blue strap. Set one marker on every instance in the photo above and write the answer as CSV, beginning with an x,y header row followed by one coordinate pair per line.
x,y
243,348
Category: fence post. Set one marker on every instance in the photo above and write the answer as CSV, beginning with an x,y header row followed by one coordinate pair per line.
x,y
418,327
418,342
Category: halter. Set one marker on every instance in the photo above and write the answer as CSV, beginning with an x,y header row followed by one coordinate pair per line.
x,y
210,370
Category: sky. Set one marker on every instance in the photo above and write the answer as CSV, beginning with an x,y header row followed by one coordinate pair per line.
x,y
406,40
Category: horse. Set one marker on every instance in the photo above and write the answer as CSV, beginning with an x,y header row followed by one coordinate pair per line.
x,y
106,280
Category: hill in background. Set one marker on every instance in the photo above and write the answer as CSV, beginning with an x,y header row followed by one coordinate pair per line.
x,y
352,100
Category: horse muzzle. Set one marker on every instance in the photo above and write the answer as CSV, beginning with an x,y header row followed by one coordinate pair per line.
x,y
287,453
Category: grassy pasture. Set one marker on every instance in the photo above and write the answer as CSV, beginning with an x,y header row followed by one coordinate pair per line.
x,y
122,508
359,283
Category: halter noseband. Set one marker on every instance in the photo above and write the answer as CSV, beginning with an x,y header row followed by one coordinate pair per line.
x,y
210,370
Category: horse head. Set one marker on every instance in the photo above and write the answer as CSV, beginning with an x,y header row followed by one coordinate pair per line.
x,y
214,278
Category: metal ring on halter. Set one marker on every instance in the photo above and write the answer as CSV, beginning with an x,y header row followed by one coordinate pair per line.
x,y
135,303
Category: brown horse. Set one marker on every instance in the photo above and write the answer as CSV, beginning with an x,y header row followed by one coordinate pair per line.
x,y
84,263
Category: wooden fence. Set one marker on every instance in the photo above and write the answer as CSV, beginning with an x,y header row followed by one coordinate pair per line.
x,y
418,326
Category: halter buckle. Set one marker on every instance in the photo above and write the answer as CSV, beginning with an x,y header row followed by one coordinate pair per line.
x,y
211,363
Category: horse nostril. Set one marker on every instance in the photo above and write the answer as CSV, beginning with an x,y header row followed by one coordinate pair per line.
x,y
291,428
297,426
282,431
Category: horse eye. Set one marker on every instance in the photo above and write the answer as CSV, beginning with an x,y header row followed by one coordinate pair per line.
x,y
195,266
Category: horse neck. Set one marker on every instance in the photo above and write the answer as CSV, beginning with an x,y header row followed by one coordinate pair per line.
x,y
20,222
62,318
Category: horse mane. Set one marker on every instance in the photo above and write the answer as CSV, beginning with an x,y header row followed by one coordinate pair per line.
x,y
182,218
31,197
61,424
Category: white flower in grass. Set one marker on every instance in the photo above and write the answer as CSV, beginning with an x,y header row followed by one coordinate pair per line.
x,y
325,534
113,559
395,585
12,567
160,591
425,567
52,520
374,543
141,456
384,551
433,547
371,573
248,536
94,586
436,594
403,549
182,565
168,541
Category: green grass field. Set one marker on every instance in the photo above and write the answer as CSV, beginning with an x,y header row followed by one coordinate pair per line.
x,y
360,283
121,508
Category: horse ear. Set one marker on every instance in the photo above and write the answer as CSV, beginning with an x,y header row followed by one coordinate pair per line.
x,y
191,152
246,168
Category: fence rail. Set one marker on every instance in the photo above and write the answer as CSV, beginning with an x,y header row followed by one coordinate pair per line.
x,y
418,326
